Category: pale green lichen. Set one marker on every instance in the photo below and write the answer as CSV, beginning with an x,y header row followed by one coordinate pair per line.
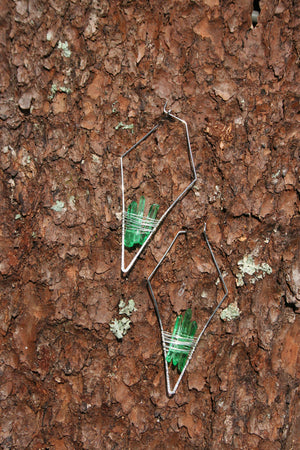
x,y
248,266
276,175
231,312
123,126
95,158
64,46
18,216
26,159
127,309
120,327
65,89
59,206
114,108
54,89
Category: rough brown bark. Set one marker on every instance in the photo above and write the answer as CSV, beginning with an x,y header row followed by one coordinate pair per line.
x,y
70,73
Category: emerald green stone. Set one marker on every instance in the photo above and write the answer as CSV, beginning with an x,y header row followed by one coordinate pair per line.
x,y
175,333
184,356
186,322
130,233
139,218
137,229
153,210
183,328
176,358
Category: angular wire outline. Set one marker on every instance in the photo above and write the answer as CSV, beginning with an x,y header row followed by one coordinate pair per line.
x,y
159,221
163,333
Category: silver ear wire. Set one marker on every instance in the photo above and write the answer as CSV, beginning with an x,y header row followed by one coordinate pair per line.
x,y
165,109
181,343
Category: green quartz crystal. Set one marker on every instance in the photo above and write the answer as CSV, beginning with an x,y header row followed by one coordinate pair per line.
x,y
151,215
175,333
183,328
130,233
184,356
139,218
137,229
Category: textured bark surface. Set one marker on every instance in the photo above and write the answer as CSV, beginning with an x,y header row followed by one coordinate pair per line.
x,y
80,82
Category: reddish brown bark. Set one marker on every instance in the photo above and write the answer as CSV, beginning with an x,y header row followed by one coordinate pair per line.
x,y
70,73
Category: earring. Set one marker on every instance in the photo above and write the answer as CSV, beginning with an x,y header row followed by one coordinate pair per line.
x,y
137,230
180,344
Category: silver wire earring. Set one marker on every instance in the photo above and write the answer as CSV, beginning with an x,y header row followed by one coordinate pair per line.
x,y
179,346
137,230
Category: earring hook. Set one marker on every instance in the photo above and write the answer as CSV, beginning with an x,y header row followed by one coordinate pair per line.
x,y
165,110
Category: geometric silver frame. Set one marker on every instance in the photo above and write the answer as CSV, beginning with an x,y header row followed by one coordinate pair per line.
x,y
159,221
193,346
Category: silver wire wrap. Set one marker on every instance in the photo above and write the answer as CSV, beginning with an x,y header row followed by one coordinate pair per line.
x,y
134,222
177,343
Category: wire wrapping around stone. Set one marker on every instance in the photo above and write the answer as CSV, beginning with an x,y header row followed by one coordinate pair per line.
x,y
134,222
177,343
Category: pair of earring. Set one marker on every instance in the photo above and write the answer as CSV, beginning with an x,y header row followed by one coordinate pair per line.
x,y
137,230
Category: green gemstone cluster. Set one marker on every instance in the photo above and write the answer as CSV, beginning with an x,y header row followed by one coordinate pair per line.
x,y
182,340
138,228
